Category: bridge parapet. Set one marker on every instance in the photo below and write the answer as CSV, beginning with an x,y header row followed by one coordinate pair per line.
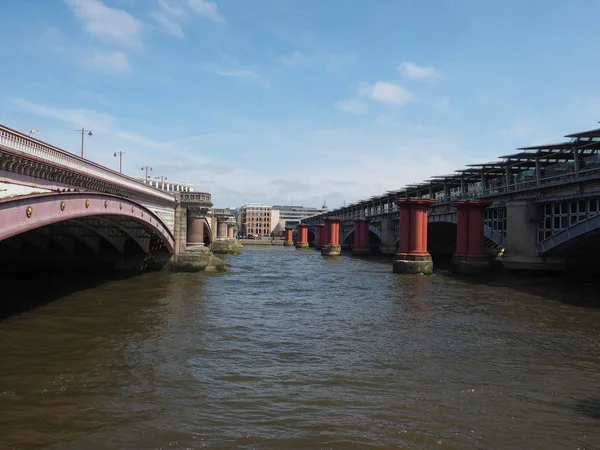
x,y
28,156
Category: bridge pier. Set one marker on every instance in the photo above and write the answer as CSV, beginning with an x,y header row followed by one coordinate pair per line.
x,y
412,256
331,246
289,240
195,228
470,256
387,246
361,245
320,236
521,251
302,243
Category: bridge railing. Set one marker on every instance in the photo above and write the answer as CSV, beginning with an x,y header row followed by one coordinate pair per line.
x,y
41,151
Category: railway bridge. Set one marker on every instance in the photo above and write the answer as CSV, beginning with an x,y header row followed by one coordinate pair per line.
x,y
538,208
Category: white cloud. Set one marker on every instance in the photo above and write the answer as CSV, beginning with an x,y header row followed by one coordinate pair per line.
x,y
416,72
173,14
331,61
77,117
206,9
115,61
352,106
294,59
386,92
237,71
109,24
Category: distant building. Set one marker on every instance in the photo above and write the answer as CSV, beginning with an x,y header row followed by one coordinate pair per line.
x,y
290,216
167,185
255,219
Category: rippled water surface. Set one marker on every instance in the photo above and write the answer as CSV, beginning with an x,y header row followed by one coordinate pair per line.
x,y
291,350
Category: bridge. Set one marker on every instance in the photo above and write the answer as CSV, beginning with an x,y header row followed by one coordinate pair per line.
x,y
537,208
58,209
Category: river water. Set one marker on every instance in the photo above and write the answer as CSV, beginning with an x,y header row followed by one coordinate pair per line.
x,y
291,350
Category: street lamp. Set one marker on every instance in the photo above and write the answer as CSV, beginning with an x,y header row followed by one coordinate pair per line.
x,y
147,168
83,132
120,153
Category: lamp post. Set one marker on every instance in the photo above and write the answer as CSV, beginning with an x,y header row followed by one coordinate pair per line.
x,y
120,153
83,133
147,168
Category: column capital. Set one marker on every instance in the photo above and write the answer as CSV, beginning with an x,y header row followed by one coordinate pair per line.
x,y
362,219
332,219
483,204
420,202
303,225
321,225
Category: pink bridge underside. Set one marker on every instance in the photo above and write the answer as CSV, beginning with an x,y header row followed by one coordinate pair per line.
x,y
46,209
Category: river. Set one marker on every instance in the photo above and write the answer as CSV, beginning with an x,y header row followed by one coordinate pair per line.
x,y
290,350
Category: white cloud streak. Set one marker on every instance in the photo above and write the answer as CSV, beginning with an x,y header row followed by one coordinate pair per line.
x,y
112,25
415,72
387,92
352,106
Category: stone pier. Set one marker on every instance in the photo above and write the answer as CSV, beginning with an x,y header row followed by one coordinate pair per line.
x,y
331,246
412,256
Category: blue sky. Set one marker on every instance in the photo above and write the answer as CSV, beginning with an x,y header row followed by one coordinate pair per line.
x,y
276,101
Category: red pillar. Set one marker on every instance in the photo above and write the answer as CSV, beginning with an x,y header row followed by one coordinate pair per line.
x,y
320,235
361,237
302,235
412,256
289,240
332,243
470,255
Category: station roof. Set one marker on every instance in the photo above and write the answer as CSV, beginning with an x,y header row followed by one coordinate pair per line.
x,y
585,134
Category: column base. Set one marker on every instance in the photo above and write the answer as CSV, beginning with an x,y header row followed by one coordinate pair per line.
x,y
521,262
288,243
361,251
385,250
469,265
412,264
331,250
302,245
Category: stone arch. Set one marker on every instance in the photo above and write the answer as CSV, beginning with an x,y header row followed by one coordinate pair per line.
x,y
26,213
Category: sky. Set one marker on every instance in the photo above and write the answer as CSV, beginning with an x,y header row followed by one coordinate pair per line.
x,y
299,101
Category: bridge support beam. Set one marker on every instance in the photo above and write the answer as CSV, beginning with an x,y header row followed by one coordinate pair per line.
x,y
331,246
302,242
470,256
412,256
289,239
320,236
361,245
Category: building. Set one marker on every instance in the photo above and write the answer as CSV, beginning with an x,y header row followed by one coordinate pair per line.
x,y
290,216
165,184
255,220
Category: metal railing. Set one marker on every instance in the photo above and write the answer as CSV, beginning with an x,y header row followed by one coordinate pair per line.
x,y
11,139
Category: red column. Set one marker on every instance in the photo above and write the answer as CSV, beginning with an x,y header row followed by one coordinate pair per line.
x,y
303,233
289,234
469,229
470,255
325,238
413,226
332,225
361,232
320,234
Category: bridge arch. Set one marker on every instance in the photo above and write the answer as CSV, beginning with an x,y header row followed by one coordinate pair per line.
x,y
101,212
582,238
